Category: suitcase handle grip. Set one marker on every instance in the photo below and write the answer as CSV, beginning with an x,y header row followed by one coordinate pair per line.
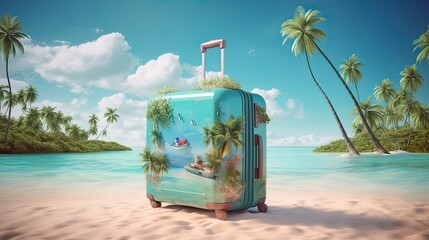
x,y
260,169
210,44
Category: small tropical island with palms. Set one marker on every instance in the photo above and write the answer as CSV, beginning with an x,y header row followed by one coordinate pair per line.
x,y
402,124
41,130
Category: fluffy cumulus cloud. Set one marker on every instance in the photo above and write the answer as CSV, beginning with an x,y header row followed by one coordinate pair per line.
x,y
275,139
104,62
270,96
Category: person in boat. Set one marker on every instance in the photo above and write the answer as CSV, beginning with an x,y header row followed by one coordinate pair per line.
x,y
176,141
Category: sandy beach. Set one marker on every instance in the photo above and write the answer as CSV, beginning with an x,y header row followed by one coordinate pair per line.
x,y
294,213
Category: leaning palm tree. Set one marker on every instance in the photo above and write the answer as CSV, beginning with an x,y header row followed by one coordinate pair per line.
x,y
373,113
411,79
31,94
301,29
350,71
422,42
157,139
111,117
10,34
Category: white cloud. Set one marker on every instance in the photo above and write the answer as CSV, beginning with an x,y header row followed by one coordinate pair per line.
x,y
62,42
290,103
77,102
276,139
104,62
300,112
16,85
270,96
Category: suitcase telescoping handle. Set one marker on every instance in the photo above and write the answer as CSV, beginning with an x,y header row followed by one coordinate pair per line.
x,y
214,43
260,169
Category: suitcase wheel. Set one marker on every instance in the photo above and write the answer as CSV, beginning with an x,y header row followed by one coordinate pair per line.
x,y
262,207
221,214
155,204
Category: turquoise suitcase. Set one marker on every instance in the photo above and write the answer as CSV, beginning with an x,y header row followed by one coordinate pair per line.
x,y
206,149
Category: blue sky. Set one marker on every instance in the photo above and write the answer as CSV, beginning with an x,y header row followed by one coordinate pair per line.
x,y
86,55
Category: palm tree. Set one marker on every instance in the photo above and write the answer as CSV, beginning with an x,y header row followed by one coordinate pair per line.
x,y
147,159
9,102
385,91
411,79
214,161
209,137
10,33
31,94
393,117
300,28
228,134
3,94
350,71
49,116
422,42
74,131
20,99
405,103
420,117
157,139
155,164
111,117
93,120
32,119
373,113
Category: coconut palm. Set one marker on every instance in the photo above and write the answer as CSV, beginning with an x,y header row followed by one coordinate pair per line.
x,y
420,117
147,159
49,116
31,94
209,137
214,161
74,131
385,91
393,117
157,139
373,113
350,71
411,79
155,163
301,29
20,99
10,34
93,121
228,134
111,117
422,42
32,119
9,101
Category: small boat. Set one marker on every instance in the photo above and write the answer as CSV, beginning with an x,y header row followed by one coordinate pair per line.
x,y
200,171
180,144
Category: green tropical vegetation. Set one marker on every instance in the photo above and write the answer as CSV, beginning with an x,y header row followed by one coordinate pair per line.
x,y
111,117
301,29
262,115
155,164
350,71
423,43
10,34
35,130
219,82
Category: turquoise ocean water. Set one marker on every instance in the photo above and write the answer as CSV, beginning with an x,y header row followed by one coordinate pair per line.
x,y
403,174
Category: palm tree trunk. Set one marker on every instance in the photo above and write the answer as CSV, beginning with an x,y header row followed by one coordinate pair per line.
x,y
10,100
352,150
102,131
380,149
357,92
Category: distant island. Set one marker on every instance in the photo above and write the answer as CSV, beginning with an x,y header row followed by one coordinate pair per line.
x,y
407,139
31,141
